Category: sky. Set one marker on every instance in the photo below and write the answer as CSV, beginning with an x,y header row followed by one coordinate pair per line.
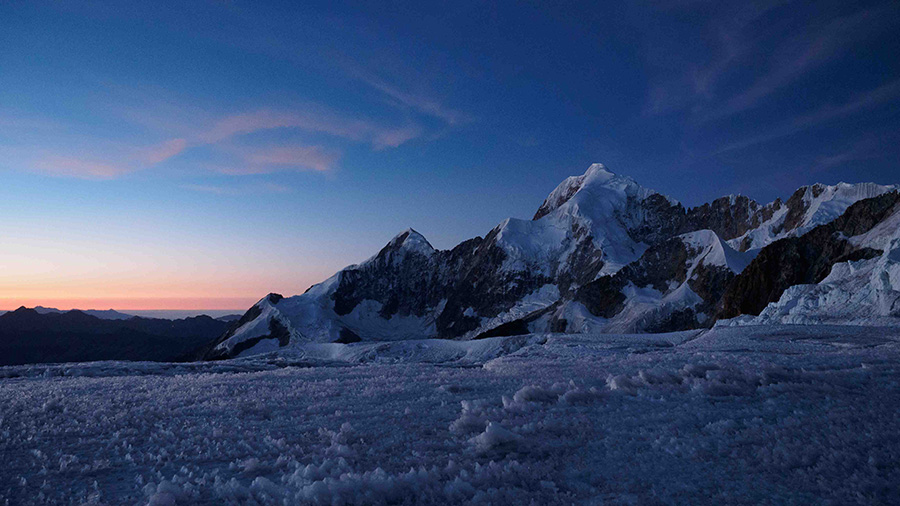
x,y
197,154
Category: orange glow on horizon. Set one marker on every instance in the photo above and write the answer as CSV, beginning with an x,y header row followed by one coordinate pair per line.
x,y
133,304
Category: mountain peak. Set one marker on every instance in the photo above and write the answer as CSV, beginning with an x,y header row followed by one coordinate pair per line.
x,y
411,240
598,170
597,177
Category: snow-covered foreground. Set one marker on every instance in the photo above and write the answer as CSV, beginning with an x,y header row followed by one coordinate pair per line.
x,y
746,415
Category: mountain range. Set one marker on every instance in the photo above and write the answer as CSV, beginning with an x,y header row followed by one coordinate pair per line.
x,y
605,254
44,335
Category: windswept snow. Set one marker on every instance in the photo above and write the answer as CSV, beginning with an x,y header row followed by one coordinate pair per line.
x,y
771,415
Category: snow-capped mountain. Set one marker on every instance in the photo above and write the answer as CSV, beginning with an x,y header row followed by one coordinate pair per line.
x,y
602,253
807,208
848,273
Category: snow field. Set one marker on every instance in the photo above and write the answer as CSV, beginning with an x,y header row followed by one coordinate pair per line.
x,y
776,415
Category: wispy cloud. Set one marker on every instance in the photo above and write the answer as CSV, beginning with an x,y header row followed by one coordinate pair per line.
x,y
886,93
222,136
682,81
311,121
161,152
268,159
739,38
865,149
237,190
423,104
108,162
78,168
799,55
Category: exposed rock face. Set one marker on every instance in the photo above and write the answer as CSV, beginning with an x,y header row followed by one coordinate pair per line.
x,y
662,263
729,217
601,253
683,278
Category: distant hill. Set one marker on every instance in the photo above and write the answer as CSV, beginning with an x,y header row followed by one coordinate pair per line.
x,y
42,336
103,314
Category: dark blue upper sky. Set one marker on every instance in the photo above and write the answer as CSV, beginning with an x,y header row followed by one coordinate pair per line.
x,y
235,148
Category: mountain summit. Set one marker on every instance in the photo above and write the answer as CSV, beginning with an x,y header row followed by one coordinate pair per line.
x,y
601,254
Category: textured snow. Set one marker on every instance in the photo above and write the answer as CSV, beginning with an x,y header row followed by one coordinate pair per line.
x,y
749,415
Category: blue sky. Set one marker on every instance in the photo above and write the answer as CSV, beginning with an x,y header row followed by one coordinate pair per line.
x,y
202,154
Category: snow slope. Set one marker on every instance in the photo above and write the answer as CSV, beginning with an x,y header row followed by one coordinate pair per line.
x,y
761,415
713,251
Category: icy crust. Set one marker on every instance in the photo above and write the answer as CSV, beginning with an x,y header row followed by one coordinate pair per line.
x,y
819,204
863,292
761,415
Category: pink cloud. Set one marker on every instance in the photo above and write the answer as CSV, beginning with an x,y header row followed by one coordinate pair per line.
x,y
312,157
74,167
265,188
311,121
394,138
252,160
162,152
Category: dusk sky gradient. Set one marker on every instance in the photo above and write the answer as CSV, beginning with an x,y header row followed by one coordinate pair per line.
x,y
202,154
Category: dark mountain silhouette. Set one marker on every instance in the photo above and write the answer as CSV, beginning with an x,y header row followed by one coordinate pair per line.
x,y
27,336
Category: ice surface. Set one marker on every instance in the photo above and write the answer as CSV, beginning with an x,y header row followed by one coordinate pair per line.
x,y
747,415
